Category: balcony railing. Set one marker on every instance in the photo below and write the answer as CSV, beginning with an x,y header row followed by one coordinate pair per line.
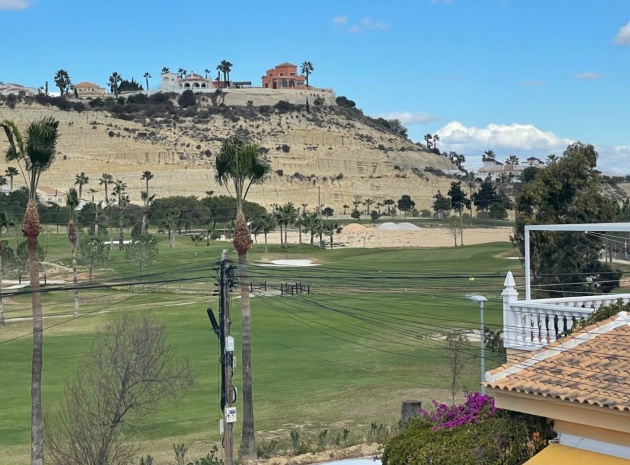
x,y
532,324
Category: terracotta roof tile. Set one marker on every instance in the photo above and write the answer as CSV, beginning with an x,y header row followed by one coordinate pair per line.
x,y
591,366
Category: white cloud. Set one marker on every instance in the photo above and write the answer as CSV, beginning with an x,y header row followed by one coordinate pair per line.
x,y
14,4
588,76
364,25
409,119
623,35
524,140
614,159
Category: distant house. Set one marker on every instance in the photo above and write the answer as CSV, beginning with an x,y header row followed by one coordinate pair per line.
x,y
495,169
581,382
535,162
283,76
17,89
88,90
171,82
47,194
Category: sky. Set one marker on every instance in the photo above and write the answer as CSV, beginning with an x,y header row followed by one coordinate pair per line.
x,y
523,77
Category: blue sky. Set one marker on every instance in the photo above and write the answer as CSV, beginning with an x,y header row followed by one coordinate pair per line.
x,y
516,76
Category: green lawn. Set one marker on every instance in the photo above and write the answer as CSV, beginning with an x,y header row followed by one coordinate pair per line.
x,y
347,354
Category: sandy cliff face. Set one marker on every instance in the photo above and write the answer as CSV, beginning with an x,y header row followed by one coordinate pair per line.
x,y
325,149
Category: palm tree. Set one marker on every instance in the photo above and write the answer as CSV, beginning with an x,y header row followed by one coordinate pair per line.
x,y
114,84
551,159
206,72
165,70
225,67
345,209
428,138
388,203
512,160
5,222
72,202
106,179
147,76
241,165
330,229
268,224
81,180
289,215
10,173
37,149
436,139
120,193
367,203
488,155
307,69
181,72
146,176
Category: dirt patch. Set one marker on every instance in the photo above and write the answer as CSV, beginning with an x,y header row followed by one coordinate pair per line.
x,y
354,228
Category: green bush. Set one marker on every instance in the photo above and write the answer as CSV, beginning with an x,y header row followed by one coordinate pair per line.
x,y
506,439
187,99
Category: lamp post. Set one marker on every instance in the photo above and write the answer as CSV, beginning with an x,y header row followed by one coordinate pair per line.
x,y
480,300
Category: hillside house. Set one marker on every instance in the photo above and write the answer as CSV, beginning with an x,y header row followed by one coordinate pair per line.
x,y
495,169
7,88
171,82
284,76
47,194
87,89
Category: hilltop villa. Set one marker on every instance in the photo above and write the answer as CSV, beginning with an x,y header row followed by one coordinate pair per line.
x,y
283,76
88,90
171,82
17,89
494,168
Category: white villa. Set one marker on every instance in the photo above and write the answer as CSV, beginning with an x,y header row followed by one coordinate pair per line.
x,y
494,168
7,88
171,82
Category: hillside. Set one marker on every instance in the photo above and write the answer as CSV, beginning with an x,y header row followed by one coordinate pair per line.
x,y
333,148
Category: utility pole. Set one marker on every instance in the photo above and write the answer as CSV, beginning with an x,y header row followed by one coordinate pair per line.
x,y
227,358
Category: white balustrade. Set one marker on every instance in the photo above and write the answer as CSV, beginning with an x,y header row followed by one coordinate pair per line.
x,y
531,324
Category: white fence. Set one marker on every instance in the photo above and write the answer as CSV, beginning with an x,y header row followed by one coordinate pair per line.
x,y
532,324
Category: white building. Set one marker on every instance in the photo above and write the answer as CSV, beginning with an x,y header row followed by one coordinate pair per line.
x,y
7,88
171,82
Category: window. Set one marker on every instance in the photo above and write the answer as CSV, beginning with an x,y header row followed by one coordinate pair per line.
x,y
300,83
281,74
270,74
291,74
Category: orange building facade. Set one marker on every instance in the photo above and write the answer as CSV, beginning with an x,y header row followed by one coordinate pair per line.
x,y
284,76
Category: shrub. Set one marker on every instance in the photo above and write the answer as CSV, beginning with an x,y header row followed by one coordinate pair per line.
x,y
374,215
187,99
279,172
468,434
97,102
343,101
284,107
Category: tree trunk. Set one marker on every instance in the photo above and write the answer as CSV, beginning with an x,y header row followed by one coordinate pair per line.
x,y
242,243
281,234
1,298
121,234
300,234
266,250
31,230
75,291
143,229
286,227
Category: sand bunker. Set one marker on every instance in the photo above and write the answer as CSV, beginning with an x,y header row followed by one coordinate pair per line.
x,y
354,228
289,263
398,227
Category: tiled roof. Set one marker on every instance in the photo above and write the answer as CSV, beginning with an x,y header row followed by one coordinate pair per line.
x,y
286,63
591,366
85,84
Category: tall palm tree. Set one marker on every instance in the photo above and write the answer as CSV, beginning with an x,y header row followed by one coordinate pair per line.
x,y
181,72
225,67
72,202
81,180
278,215
165,70
388,203
122,199
307,69
489,155
428,138
241,165
206,72
345,209
10,173
147,76
368,203
289,216
512,160
146,176
106,180
114,83
37,150
5,222
330,229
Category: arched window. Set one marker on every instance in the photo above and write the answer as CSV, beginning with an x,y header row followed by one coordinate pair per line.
x,y
196,84
203,84
187,85
291,83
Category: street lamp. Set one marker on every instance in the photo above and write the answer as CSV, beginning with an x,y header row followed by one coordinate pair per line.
x,y
480,300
